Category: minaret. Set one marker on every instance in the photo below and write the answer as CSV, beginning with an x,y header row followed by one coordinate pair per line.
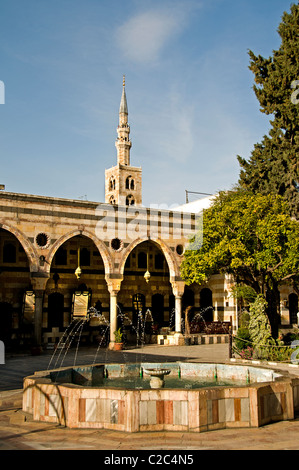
x,y
123,182
123,143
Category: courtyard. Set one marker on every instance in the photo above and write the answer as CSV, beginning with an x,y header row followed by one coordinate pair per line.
x,y
18,431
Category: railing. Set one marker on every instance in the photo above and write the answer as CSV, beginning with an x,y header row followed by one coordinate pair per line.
x,y
210,327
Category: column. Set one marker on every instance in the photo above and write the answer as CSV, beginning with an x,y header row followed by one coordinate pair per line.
x,y
38,316
178,313
39,282
113,317
178,291
114,288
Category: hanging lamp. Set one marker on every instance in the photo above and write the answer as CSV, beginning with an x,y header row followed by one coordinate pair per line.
x,y
78,271
147,274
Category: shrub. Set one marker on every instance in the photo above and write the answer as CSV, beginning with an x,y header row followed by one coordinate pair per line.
x,y
242,334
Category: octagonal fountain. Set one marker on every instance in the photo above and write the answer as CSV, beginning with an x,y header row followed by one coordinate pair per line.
x,y
190,397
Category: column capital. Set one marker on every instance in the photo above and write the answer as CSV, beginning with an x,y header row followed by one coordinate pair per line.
x,y
114,283
39,281
178,287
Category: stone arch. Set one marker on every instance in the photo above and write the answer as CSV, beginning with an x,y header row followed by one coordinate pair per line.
x,y
169,256
98,243
29,249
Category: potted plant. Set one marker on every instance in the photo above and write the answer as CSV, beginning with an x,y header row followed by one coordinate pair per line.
x,y
118,340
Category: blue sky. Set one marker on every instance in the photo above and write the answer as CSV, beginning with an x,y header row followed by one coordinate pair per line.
x,y
192,109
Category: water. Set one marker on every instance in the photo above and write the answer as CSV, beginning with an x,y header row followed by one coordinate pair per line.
x,y
73,333
170,382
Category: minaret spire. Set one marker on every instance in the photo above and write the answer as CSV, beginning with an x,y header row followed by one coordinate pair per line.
x,y
123,109
123,143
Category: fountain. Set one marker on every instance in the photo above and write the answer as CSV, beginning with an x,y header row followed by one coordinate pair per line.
x,y
136,397
194,397
157,377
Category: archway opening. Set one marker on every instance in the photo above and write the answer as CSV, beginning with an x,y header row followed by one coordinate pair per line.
x,y
206,304
14,282
77,282
139,297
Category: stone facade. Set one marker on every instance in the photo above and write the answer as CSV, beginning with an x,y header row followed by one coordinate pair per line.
x,y
61,256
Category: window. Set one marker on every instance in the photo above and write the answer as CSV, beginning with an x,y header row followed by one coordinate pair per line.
x,y
55,310
61,257
128,262
293,308
138,303
116,244
206,304
130,183
130,200
158,308
42,240
84,257
9,253
112,200
111,183
180,250
159,261
142,260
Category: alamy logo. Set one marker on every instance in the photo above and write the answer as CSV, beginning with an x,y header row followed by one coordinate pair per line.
x,y
129,223
2,92
2,353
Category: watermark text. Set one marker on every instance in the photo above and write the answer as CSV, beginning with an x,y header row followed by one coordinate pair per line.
x,y
133,222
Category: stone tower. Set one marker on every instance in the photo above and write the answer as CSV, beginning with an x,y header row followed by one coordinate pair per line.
x,y
123,182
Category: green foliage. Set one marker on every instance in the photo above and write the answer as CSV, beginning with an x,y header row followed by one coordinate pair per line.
x,y
118,335
290,336
273,165
251,236
242,334
264,345
245,293
244,319
259,326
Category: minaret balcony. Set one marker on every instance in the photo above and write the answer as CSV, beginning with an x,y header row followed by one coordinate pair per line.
x,y
123,142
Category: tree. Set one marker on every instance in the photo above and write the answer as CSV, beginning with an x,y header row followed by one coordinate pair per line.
x,y
252,237
273,165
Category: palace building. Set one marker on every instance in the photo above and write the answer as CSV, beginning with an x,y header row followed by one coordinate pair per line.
x,y
59,257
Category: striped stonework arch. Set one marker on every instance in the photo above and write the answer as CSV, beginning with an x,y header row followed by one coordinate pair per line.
x,y
26,244
107,260
169,256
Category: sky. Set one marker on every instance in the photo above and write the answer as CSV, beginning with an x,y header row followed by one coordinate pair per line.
x,y
192,108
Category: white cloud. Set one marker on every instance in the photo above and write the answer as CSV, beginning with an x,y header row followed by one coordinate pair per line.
x,y
143,37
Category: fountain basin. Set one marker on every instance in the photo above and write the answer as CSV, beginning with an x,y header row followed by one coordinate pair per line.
x,y
78,398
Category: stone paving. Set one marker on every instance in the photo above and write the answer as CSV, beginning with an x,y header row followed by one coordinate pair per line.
x,y
19,432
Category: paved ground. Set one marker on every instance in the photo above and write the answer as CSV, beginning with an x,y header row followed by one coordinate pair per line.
x,y
19,432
